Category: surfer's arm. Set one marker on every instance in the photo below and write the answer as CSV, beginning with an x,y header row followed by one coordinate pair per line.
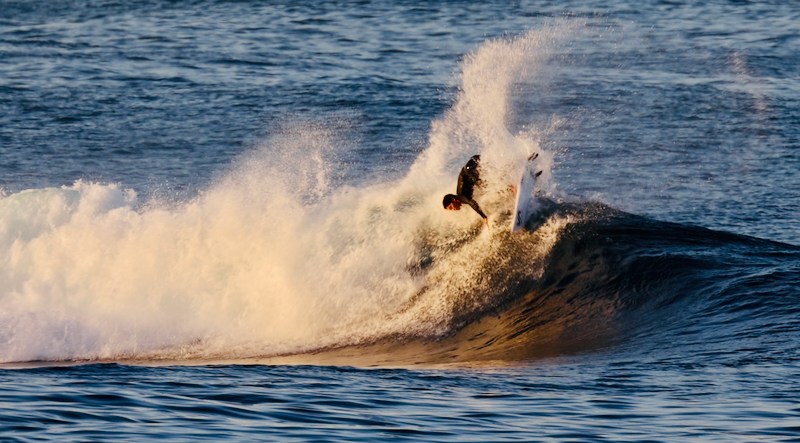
x,y
474,205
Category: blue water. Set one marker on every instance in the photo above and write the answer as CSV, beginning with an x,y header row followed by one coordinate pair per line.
x,y
222,220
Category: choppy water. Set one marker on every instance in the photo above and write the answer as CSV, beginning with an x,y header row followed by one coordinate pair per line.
x,y
222,220
572,401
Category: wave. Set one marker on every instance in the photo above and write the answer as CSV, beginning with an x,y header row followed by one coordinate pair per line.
x,y
125,286
609,278
275,259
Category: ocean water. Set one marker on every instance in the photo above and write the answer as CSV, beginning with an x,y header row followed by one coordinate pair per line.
x,y
222,221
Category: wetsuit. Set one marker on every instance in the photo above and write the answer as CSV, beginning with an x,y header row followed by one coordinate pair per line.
x,y
468,179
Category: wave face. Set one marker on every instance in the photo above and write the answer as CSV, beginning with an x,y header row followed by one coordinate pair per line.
x,y
613,278
277,259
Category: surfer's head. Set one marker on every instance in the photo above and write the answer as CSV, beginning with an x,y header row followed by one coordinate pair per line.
x,y
451,202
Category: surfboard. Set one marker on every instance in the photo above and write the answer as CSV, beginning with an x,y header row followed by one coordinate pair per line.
x,y
523,207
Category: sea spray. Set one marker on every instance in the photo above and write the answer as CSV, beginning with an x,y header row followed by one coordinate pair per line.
x,y
479,120
274,257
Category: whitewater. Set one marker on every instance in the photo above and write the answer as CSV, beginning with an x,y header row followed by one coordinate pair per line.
x,y
272,258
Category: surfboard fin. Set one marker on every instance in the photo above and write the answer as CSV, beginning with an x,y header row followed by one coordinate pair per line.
x,y
533,156
538,174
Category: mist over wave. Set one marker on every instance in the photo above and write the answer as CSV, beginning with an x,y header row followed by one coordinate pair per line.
x,y
274,257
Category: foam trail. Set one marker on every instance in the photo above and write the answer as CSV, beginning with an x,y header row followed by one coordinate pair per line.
x,y
272,258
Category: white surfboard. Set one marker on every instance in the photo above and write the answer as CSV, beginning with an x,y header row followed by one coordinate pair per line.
x,y
523,208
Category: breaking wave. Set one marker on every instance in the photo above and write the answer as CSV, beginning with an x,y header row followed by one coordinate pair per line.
x,y
273,259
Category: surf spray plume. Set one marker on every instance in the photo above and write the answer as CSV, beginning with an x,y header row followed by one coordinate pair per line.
x,y
273,258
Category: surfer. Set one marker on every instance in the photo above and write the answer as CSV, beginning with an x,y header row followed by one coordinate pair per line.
x,y
468,179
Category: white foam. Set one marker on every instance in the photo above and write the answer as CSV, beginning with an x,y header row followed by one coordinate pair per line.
x,y
271,258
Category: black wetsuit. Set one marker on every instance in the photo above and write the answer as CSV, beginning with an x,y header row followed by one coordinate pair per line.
x,y
468,179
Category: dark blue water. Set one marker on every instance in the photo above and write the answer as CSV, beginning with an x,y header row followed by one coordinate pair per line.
x,y
222,220
571,401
